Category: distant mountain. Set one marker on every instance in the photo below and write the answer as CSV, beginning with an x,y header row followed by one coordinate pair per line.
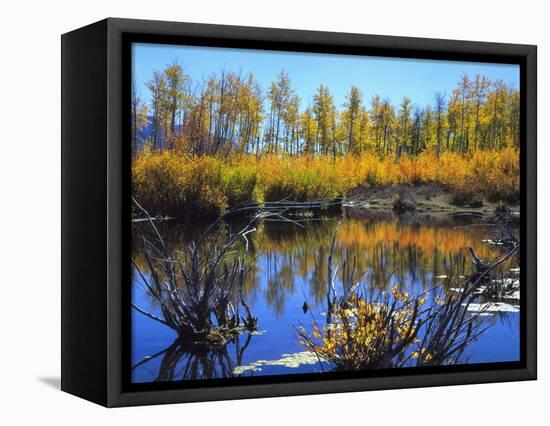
x,y
146,132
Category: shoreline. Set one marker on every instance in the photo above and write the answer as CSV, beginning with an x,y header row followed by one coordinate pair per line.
x,y
427,199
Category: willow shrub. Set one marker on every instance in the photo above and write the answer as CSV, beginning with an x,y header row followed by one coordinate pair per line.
x,y
367,334
240,184
187,187
304,178
174,185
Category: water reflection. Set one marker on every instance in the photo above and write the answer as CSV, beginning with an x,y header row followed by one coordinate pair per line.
x,y
288,266
181,361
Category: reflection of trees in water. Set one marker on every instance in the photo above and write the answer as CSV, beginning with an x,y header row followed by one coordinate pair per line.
x,y
370,328
182,361
286,255
409,253
281,280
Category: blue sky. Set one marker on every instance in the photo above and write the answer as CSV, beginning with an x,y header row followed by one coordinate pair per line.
x,y
390,78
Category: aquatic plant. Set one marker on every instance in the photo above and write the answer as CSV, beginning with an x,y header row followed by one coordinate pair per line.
x,y
199,290
381,329
365,334
395,329
293,360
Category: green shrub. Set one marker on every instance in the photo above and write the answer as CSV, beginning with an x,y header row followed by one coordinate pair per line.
x,y
240,185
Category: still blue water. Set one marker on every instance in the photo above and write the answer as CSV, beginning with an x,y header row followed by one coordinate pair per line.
x,y
290,270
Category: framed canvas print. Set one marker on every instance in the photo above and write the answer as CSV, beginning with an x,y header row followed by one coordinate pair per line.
x,y
252,212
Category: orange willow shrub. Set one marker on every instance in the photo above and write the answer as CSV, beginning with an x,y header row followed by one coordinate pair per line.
x,y
179,185
367,335
494,175
503,177
166,183
490,174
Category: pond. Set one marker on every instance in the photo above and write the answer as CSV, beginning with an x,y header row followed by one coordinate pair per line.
x,y
287,287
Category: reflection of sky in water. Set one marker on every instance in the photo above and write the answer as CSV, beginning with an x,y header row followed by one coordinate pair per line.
x,y
292,269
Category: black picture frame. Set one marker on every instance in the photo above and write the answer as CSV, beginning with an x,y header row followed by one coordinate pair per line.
x,y
96,199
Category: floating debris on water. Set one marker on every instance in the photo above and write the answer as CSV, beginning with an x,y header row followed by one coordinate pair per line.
x,y
505,288
511,282
288,360
513,296
478,291
491,307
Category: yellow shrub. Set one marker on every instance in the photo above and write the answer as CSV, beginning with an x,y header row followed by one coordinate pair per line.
x,y
365,334
182,186
170,184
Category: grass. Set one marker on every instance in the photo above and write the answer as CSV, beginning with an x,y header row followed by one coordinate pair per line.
x,y
190,187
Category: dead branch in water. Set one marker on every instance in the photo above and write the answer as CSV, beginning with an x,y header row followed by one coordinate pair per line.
x,y
381,330
196,287
199,291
